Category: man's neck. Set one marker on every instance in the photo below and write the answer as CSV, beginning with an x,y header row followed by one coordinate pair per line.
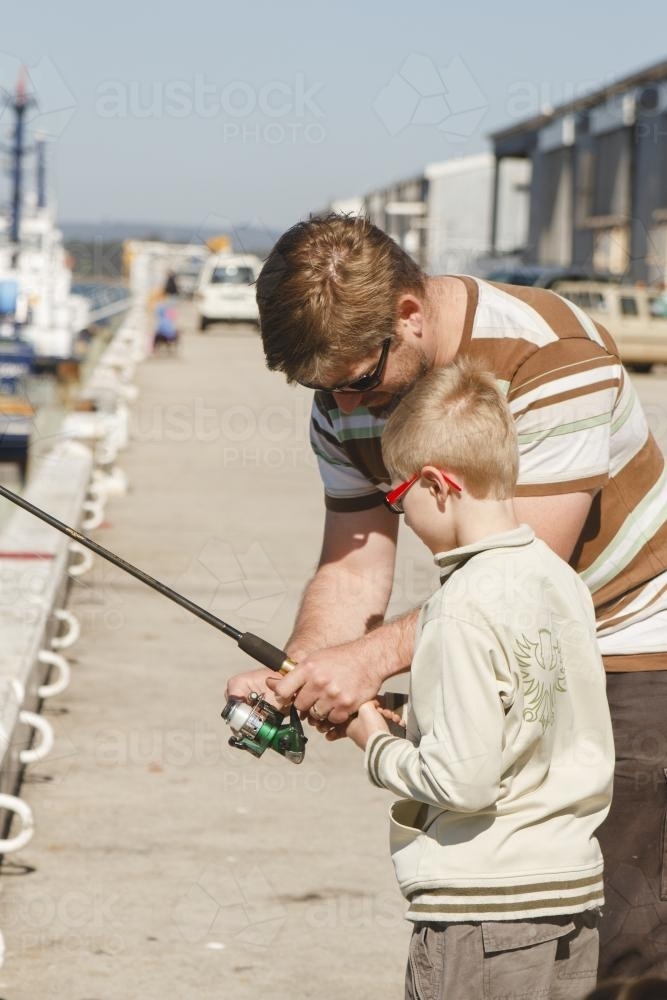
x,y
445,317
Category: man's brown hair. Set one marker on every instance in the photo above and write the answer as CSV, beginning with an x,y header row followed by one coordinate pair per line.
x,y
455,418
328,295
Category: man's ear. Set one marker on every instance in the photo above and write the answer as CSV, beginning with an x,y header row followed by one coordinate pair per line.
x,y
410,314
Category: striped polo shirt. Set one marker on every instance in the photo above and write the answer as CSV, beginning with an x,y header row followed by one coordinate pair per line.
x,y
580,427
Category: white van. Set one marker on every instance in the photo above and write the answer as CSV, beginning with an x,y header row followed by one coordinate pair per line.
x,y
226,289
629,313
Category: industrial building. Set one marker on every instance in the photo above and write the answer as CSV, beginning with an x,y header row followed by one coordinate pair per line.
x,y
442,216
598,190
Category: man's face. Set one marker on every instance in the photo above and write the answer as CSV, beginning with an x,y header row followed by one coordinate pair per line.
x,y
405,365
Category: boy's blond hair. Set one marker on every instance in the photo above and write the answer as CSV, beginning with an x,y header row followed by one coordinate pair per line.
x,y
455,418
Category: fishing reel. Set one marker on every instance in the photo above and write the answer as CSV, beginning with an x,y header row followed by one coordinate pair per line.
x,y
257,726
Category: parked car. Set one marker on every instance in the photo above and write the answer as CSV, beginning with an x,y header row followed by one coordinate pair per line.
x,y
187,276
543,276
226,289
630,315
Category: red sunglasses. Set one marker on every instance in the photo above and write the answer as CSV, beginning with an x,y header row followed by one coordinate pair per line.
x,y
394,498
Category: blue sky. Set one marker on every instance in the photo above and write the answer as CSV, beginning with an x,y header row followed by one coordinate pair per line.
x,y
188,112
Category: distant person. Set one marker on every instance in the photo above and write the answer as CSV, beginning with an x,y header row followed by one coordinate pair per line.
x,y
166,330
506,772
171,285
658,305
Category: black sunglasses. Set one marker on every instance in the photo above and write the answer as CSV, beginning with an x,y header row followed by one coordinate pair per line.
x,y
362,384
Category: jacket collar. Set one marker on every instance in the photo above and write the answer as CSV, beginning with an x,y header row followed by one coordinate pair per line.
x,y
450,561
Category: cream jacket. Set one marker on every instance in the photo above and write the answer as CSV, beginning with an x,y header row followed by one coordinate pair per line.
x,y
507,768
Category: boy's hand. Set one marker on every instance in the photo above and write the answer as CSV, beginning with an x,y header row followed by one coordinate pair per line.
x,y
369,720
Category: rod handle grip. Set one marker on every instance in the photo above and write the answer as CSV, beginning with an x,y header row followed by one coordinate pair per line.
x,y
262,651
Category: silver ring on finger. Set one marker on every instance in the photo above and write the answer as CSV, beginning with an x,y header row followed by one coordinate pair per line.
x,y
317,715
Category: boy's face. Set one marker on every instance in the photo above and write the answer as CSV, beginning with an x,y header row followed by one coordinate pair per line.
x,y
428,512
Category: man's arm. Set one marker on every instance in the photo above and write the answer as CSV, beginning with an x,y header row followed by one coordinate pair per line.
x,y
558,520
349,593
343,656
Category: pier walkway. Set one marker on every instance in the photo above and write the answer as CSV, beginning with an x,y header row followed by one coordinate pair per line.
x,y
166,864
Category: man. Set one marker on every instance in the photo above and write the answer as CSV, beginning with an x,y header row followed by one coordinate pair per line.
x,y
345,311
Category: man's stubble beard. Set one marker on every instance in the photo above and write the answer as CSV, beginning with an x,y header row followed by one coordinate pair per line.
x,y
413,364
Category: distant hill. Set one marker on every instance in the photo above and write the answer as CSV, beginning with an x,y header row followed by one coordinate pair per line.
x,y
248,236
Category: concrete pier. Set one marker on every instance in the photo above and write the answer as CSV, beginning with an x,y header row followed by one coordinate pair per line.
x,y
166,864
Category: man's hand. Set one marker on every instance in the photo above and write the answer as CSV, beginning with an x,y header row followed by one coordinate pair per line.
x,y
241,685
368,721
337,680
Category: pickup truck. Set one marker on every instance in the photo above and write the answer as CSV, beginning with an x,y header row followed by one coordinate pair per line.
x,y
629,313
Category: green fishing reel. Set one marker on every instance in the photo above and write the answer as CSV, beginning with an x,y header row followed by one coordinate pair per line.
x,y
258,726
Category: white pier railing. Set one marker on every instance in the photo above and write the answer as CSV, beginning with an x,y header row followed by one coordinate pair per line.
x,y
33,589
73,483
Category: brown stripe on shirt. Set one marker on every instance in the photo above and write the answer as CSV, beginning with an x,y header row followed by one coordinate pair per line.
x,y
553,309
472,295
609,341
617,499
572,356
501,357
631,662
562,487
649,562
560,397
614,615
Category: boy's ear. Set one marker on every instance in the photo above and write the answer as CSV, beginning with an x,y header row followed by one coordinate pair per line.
x,y
436,484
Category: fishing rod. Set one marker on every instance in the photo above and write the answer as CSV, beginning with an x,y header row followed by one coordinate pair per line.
x,y
256,724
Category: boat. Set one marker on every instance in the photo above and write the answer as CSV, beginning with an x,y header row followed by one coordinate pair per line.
x,y
16,424
48,315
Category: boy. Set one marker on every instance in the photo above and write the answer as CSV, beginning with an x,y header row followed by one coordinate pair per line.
x,y
507,768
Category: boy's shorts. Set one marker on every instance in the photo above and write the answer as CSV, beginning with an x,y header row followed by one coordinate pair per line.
x,y
550,957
